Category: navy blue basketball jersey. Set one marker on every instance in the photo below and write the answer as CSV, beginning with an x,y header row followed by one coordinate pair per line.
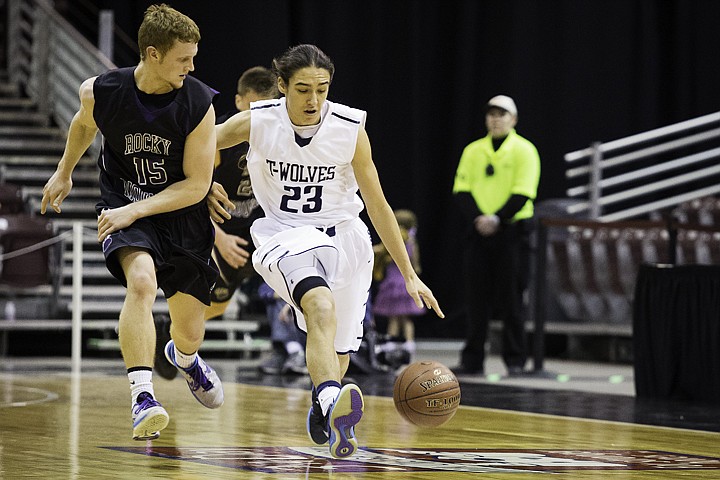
x,y
143,144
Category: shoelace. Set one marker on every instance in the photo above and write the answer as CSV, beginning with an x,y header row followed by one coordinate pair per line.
x,y
199,378
146,402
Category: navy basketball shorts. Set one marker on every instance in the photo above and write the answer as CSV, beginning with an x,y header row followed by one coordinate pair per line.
x,y
180,246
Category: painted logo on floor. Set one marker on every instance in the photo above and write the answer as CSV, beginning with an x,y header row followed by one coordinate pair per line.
x,y
318,460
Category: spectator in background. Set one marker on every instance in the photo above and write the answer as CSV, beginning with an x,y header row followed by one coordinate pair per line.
x,y
391,298
288,341
495,186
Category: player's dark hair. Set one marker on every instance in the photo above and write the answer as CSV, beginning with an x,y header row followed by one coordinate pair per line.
x,y
298,57
260,80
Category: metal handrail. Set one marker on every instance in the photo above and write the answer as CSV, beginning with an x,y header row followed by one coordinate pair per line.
x,y
50,59
699,182
644,172
662,204
645,136
654,186
649,151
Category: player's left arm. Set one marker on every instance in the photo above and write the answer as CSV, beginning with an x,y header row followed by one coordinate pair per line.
x,y
198,159
383,219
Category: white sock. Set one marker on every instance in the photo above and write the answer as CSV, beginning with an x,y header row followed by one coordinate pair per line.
x,y
185,360
140,381
327,397
293,347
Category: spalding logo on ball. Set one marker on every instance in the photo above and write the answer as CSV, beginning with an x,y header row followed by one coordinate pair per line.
x,y
426,394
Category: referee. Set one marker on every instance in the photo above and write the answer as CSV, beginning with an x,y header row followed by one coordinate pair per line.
x,y
495,186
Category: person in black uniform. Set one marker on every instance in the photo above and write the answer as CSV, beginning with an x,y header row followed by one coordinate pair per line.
x,y
233,245
156,167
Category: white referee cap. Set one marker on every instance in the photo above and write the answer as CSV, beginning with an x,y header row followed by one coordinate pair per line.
x,y
504,102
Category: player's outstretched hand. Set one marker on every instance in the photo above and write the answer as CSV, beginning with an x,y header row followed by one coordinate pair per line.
x,y
422,295
232,248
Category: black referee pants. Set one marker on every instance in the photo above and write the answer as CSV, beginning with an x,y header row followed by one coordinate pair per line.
x,y
493,290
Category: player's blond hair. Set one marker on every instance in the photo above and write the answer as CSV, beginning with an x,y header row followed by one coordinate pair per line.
x,y
162,25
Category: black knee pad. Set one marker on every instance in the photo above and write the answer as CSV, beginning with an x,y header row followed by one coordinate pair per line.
x,y
305,285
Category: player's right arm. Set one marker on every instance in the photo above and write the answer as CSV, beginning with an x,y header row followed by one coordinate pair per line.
x,y
218,203
234,130
81,134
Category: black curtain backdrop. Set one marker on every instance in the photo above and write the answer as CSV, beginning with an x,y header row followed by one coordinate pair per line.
x,y
676,332
579,70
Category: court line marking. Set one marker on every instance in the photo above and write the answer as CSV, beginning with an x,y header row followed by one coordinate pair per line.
x,y
48,397
52,396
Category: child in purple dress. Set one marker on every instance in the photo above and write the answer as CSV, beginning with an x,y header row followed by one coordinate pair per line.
x,y
392,299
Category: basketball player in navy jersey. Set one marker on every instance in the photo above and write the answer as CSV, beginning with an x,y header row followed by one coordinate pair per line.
x,y
156,168
308,158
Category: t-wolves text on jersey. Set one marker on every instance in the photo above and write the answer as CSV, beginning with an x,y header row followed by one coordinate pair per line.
x,y
307,182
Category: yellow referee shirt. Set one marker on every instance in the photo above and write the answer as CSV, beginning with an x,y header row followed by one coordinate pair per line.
x,y
515,170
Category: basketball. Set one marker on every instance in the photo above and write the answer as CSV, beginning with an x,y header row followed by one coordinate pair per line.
x,y
426,394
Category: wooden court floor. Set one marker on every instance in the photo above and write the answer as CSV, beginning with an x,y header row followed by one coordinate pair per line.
x,y
54,425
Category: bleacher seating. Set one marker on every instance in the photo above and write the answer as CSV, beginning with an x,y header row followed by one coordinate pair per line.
x,y
31,277
11,198
22,231
592,271
560,277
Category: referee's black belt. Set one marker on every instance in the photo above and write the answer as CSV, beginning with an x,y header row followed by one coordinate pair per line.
x,y
329,231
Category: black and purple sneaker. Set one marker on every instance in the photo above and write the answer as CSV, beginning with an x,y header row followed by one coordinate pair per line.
x,y
317,422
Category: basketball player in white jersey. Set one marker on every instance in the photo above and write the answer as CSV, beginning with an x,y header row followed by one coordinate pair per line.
x,y
308,158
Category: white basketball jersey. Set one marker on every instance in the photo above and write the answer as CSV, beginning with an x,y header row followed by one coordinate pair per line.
x,y
312,184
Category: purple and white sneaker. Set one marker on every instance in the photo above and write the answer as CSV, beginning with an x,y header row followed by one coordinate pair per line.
x,y
149,417
344,414
202,380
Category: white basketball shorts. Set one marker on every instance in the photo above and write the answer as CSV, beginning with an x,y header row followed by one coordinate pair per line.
x,y
286,255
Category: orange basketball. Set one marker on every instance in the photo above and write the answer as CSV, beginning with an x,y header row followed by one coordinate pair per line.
x,y
426,393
